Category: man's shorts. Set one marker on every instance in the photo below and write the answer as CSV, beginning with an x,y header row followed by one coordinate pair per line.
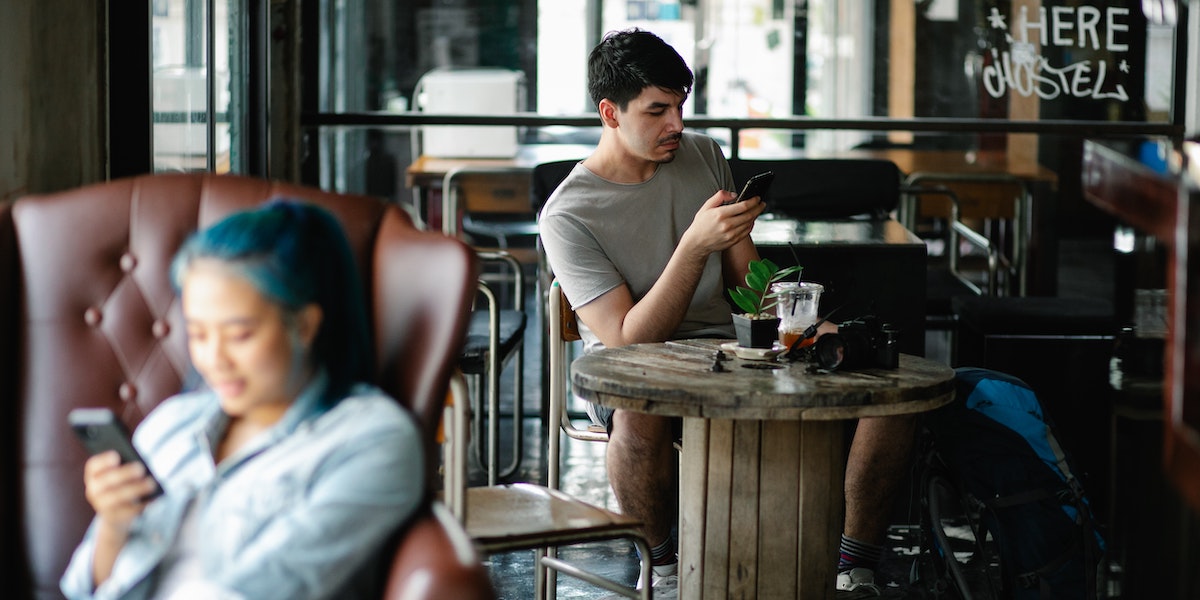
x,y
602,416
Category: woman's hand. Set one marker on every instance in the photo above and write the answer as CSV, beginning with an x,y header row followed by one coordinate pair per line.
x,y
116,492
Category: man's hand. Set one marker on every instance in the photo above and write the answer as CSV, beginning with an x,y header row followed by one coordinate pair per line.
x,y
719,225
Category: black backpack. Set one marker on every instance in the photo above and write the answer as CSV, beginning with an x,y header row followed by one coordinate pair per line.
x,y
995,447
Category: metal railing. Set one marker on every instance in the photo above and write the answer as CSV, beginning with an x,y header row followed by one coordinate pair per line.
x,y
1093,129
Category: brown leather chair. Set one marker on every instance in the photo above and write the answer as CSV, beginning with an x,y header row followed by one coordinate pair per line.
x,y
88,318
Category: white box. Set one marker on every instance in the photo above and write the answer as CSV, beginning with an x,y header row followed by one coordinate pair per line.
x,y
470,92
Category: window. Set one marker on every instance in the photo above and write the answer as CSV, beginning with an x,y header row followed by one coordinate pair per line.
x,y
192,45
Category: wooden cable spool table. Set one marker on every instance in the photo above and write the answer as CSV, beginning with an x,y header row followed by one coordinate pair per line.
x,y
763,461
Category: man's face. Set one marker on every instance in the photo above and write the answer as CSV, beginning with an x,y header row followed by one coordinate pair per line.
x,y
651,125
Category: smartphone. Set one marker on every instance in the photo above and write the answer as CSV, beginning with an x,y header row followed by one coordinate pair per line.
x,y
100,431
756,186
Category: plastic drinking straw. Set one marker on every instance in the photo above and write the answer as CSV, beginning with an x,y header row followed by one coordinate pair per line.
x,y
799,272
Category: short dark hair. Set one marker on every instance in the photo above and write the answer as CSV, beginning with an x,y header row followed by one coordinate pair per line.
x,y
295,254
626,62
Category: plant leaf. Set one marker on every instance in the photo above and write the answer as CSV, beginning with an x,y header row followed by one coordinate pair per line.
x,y
757,281
746,299
785,272
762,269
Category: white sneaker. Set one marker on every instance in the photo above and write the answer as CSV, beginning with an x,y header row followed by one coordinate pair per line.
x,y
665,581
857,583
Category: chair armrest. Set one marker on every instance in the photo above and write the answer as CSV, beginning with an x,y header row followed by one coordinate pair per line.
x,y
958,230
435,559
976,239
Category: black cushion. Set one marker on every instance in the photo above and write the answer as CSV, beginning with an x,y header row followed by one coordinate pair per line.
x,y
512,329
1035,315
546,177
815,188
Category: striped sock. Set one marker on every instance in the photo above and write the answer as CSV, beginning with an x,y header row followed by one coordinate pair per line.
x,y
858,554
664,553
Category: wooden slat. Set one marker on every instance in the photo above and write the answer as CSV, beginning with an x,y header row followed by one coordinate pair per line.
x,y
821,505
693,491
743,520
779,509
716,536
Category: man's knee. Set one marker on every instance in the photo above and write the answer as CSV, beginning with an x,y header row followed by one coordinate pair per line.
x,y
895,431
646,432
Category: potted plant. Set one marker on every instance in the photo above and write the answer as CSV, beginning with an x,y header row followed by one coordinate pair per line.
x,y
757,326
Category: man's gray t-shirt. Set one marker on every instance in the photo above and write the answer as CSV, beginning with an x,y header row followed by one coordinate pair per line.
x,y
599,234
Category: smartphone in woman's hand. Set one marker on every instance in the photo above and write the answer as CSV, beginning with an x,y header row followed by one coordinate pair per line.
x,y
100,431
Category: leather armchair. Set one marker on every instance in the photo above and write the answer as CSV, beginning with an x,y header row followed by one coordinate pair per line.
x,y
88,318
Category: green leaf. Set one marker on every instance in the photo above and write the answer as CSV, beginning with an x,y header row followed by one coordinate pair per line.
x,y
763,270
760,274
785,272
757,281
746,299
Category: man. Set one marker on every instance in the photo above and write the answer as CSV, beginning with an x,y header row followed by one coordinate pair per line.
x,y
644,239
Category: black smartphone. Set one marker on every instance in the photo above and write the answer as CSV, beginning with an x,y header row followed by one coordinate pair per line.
x,y
100,431
756,186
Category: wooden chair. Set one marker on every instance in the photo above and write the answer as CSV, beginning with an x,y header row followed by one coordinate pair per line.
x,y
526,516
491,203
98,306
563,329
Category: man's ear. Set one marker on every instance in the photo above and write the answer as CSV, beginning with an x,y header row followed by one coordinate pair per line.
x,y
308,322
608,113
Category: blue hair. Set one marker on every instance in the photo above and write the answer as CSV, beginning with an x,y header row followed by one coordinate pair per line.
x,y
295,254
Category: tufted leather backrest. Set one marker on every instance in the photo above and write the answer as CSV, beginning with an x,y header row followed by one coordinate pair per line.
x,y
88,318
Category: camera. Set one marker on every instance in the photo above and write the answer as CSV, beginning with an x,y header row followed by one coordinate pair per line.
x,y
864,342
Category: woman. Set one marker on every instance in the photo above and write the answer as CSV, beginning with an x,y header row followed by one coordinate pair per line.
x,y
286,476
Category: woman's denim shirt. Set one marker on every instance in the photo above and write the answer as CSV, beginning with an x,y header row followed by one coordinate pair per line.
x,y
298,512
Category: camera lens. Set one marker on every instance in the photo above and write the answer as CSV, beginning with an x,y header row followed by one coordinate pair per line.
x,y
831,351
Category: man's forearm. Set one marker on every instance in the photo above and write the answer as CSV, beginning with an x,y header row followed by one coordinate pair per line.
x,y
657,316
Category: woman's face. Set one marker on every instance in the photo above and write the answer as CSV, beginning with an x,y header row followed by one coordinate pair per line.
x,y
241,344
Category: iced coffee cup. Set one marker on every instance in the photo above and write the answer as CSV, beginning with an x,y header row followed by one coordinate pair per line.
x,y
797,309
